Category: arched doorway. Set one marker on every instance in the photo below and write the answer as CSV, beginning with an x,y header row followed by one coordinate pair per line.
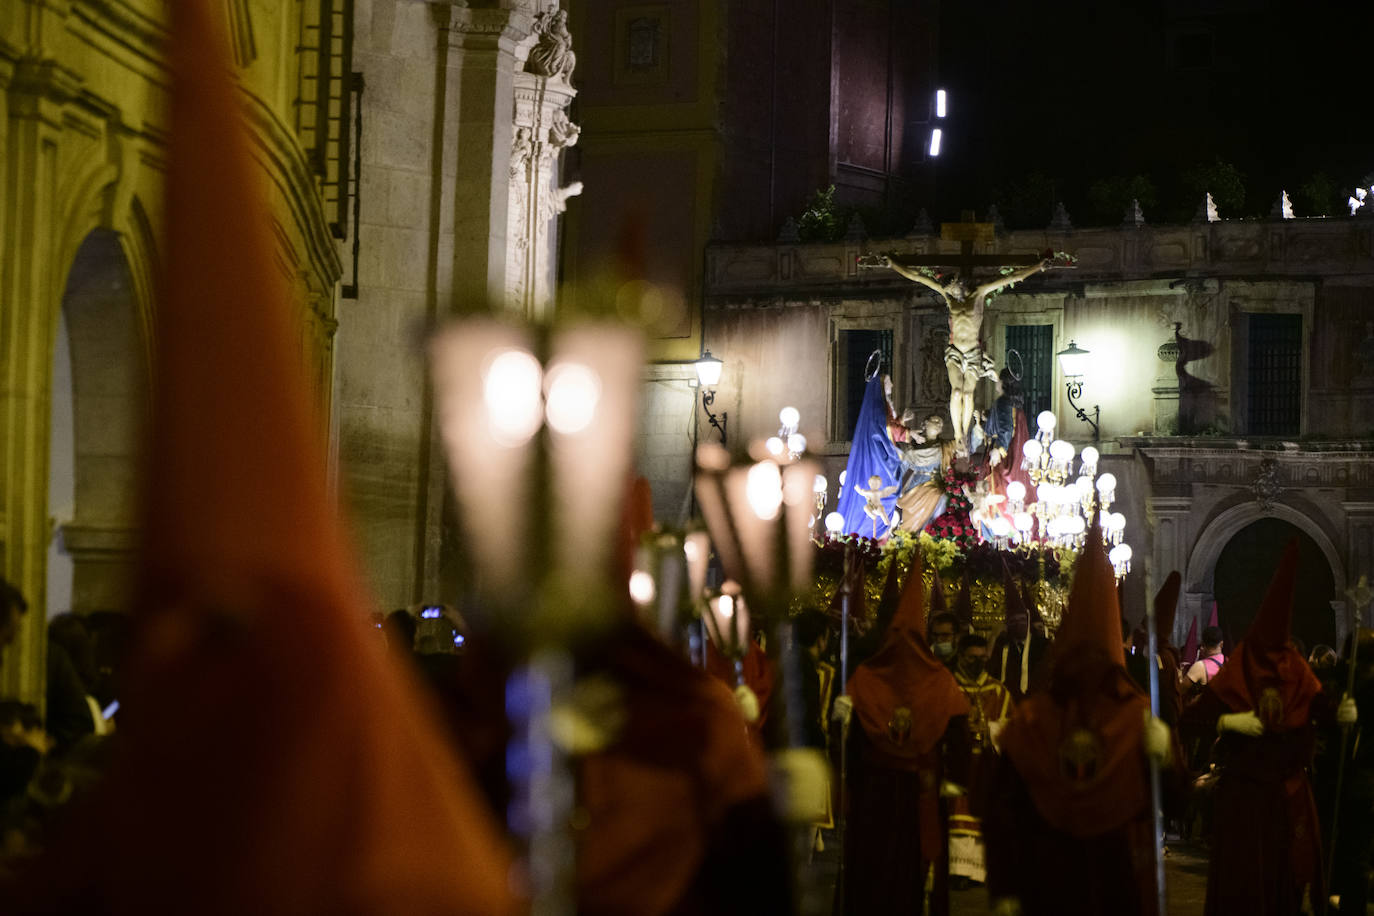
x,y
98,396
1244,569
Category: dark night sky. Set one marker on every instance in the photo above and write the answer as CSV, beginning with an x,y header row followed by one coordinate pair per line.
x,y
1049,99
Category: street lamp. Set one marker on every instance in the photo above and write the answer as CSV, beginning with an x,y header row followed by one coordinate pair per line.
x,y
1073,361
708,374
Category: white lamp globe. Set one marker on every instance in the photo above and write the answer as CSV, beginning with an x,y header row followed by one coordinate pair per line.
x,y
1089,456
1031,450
821,484
789,417
1016,491
1106,484
1045,422
774,446
1061,451
1023,522
834,523
796,443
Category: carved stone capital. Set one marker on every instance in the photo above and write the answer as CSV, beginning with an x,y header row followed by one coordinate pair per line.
x,y
506,30
45,79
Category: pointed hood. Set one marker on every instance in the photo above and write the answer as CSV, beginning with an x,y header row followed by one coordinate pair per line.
x,y
890,600
911,606
963,605
1264,672
903,696
1028,598
270,759
1166,607
1190,644
1013,601
1212,620
1092,618
938,605
1270,628
1077,742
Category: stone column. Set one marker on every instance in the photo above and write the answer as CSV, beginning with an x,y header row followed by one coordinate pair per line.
x,y
33,93
1359,546
1168,516
1165,390
537,197
510,90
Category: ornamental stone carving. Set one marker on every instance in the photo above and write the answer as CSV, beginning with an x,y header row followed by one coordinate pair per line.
x,y
552,56
1267,486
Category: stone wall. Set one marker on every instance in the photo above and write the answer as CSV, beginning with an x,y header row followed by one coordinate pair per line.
x,y
772,313
83,122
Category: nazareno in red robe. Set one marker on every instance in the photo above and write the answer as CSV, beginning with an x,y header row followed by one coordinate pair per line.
x,y
909,733
1266,849
1067,826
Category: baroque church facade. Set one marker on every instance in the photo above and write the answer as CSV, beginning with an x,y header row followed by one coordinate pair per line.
x,y
410,152
1231,375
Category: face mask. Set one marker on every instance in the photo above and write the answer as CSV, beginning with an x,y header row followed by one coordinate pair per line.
x,y
972,667
943,649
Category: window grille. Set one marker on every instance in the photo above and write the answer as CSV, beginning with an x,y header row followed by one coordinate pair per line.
x,y
1035,344
852,353
1275,375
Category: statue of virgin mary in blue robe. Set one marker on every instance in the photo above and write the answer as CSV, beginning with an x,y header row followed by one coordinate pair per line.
x,y
871,454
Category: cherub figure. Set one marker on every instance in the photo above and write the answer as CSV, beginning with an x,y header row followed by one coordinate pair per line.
x,y
874,496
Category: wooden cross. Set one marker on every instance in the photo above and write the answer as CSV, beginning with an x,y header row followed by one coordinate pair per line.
x,y
967,233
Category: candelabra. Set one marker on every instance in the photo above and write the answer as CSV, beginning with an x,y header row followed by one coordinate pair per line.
x,y
1064,504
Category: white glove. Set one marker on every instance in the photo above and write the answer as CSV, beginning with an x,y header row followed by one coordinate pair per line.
x,y
1242,723
1347,713
748,702
843,709
1157,739
995,733
951,789
801,784
1006,906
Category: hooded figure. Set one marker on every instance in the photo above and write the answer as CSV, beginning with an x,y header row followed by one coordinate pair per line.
x,y
1166,658
908,741
1019,649
271,759
1266,849
1073,783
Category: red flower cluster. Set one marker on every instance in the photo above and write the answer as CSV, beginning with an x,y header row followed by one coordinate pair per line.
x,y
954,525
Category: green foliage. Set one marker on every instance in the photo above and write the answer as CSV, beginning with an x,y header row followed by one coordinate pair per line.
x,y
1109,197
1220,179
821,220
1319,195
1026,202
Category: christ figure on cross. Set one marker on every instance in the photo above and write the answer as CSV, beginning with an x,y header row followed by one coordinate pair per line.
x,y
966,359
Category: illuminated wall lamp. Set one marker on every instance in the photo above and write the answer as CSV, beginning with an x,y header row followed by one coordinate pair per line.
x,y
1073,362
708,374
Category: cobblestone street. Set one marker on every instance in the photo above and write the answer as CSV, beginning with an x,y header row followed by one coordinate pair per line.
x,y
1186,872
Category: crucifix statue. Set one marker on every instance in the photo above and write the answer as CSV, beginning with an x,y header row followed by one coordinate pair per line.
x,y
966,360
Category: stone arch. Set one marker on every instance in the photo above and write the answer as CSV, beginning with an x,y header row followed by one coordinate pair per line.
x,y
1218,533
96,412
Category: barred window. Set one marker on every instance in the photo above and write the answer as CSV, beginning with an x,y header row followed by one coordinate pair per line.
x,y
1034,343
851,357
1275,375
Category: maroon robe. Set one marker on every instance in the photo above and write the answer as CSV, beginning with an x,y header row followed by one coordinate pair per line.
x,y
909,733
1267,845
1068,825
